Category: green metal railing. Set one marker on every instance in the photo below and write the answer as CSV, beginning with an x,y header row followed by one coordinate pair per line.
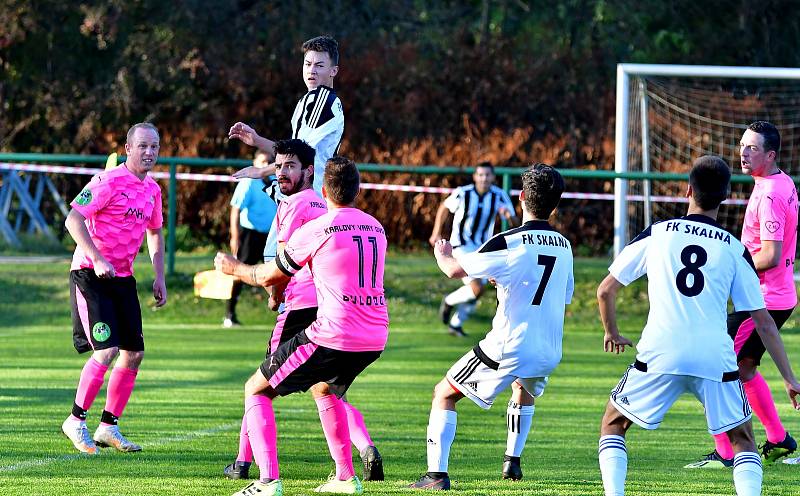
x,y
505,173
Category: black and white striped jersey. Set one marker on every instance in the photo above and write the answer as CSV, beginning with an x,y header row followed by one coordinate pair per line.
x,y
318,120
475,214
532,267
693,266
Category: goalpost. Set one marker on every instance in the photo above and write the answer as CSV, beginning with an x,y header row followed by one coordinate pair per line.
x,y
668,115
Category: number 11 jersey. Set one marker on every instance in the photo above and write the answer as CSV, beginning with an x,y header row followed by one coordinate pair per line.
x,y
693,266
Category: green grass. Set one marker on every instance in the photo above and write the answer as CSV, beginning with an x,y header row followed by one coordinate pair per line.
x,y
188,401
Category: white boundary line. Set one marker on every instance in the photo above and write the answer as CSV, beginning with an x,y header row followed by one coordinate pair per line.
x,y
162,442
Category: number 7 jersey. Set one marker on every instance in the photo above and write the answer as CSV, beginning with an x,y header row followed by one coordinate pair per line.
x,y
532,268
693,266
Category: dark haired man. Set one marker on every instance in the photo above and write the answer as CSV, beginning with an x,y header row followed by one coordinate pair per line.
x,y
474,208
348,250
770,235
693,266
532,266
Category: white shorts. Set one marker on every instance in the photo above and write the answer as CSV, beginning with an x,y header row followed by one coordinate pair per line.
x,y
476,376
463,250
645,397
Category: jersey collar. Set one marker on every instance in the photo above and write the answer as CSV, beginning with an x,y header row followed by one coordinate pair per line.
x,y
703,219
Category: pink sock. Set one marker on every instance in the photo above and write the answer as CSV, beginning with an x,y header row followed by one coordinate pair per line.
x,y
724,447
245,451
263,434
120,387
90,383
760,398
359,435
333,416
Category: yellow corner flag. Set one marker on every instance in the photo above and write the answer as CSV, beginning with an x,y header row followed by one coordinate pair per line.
x,y
111,161
213,284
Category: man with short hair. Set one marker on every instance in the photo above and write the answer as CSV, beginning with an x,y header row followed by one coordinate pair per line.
x,y
474,208
318,117
251,216
532,267
770,236
347,249
108,221
294,163
693,266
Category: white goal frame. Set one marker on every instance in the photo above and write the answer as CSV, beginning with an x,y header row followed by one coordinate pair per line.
x,y
624,73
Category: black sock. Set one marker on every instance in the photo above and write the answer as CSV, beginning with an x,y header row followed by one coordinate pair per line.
x,y
109,418
79,412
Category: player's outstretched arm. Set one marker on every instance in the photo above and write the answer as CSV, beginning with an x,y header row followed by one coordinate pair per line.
x,y
155,246
441,215
255,275
253,172
445,260
76,226
613,341
768,331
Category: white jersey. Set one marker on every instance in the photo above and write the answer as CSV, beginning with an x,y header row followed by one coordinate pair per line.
x,y
318,120
474,214
693,265
532,265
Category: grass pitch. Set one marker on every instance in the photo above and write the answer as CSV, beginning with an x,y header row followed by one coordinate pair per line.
x,y
187,405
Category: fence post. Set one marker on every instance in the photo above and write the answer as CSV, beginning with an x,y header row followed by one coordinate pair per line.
x,y
172,215
507,189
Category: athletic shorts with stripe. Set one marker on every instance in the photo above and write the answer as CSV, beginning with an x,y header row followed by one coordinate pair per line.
x,y
288,324
105,312
299,363
746,341
478,377
645,397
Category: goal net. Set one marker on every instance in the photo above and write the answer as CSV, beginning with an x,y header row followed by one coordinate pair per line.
x,y
668,115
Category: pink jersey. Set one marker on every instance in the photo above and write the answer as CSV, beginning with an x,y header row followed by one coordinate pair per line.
x,y
293,212
772,215
118,207
346,251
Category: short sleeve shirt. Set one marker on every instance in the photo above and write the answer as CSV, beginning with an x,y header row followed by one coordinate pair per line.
x,y
475,214
257,209
772,215
318,119
346,252
293,212
532,266
693,267
119,208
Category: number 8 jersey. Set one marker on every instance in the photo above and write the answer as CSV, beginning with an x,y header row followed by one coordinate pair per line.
x,y
693,265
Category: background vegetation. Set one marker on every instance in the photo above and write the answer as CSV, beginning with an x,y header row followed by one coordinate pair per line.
x,y
422,82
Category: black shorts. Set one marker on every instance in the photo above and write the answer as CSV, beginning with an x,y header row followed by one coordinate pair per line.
x,y
289,324
298,364
753,347
251,246
105,312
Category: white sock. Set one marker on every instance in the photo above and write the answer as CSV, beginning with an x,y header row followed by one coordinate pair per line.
x,y
747,473
613,464
441,432
518,423
459,296
462,313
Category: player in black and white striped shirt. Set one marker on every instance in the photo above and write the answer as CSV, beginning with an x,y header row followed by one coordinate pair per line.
x,y
474,208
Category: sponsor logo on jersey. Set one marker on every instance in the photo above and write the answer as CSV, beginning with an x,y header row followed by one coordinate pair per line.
x,y
772,226
624,400
472,385
101,332
84,197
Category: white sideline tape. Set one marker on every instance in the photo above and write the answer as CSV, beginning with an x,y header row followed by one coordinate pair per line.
x,y
187,176
161,442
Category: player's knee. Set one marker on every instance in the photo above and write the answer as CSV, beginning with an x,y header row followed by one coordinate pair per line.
x,y
320,389
742,437
614,422
106,356
443,390
747,369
